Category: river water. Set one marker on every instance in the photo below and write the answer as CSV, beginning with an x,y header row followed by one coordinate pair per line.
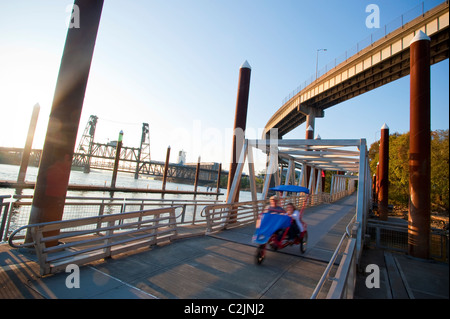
x,y
102,178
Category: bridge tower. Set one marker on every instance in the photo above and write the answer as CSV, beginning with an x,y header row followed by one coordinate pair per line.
x,y
86,143
143,158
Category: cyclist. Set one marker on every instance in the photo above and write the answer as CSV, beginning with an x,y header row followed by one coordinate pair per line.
x,y
274,206
296,227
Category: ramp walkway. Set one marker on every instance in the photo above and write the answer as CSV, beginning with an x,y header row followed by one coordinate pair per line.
x,y
221,265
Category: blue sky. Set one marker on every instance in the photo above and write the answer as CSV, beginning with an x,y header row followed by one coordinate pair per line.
x,y
175,65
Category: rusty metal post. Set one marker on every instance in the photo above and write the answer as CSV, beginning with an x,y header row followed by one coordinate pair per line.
x,y
384,173
166,169
117,160
54,169
374,188
309,136
219,174
323,181
377,182
240,121
419,148
309,127
197,173
28,144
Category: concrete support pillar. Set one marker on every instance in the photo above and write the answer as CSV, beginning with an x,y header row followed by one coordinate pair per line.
x,y
309,132
384,173
240,121
419,148
310,121
309,136
54,169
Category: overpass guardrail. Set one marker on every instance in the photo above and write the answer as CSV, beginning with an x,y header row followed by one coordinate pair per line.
x,y
381,32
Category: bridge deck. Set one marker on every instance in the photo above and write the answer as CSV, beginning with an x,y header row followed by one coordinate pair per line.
x,y
216,266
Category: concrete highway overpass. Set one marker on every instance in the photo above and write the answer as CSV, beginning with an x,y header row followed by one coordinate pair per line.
x,y
380,63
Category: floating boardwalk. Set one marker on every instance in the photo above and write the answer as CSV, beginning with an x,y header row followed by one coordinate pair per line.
x,y
221,265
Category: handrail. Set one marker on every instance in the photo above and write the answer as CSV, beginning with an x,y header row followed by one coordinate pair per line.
x,y
325,274
4,208
92,238
361,45
77,207
192,212
62,222
14,233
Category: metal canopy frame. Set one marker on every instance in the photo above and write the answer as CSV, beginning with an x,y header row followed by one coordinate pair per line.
x,y
323,155
348,156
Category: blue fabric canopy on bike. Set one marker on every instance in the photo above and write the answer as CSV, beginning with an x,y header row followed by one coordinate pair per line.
x,y
290,188
269,224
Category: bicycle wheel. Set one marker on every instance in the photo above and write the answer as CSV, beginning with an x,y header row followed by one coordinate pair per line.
x,y
260,254
304,242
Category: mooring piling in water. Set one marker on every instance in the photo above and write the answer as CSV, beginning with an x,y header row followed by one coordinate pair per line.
x,y
419,148
54,168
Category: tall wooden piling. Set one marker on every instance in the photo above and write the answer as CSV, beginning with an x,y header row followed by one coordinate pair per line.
x,y
197,175
240,121
166,169
309,136
117,160
384,173
54,169
219,175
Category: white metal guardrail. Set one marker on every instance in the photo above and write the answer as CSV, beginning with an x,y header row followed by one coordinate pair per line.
x,y
343,282
16,211
83,240
226,216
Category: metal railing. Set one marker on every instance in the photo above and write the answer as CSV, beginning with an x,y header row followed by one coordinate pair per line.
x,y
381,32
226,216
16,210
4,208
17,213
79,241
394,236
340,281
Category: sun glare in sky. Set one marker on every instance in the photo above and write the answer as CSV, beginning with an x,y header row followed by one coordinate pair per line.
x,y
175,65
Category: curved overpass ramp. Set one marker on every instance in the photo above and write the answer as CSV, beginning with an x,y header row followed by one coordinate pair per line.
x,y
383,61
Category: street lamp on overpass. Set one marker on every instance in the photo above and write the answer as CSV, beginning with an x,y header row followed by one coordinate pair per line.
x,y
317,59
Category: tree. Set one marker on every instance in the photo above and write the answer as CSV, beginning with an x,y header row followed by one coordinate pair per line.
x,y
399,168
440,170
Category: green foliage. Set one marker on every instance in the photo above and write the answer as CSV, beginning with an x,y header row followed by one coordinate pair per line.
x,y
439,170
399,168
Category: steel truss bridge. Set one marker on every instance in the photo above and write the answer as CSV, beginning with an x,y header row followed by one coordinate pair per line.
x,y
137,160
